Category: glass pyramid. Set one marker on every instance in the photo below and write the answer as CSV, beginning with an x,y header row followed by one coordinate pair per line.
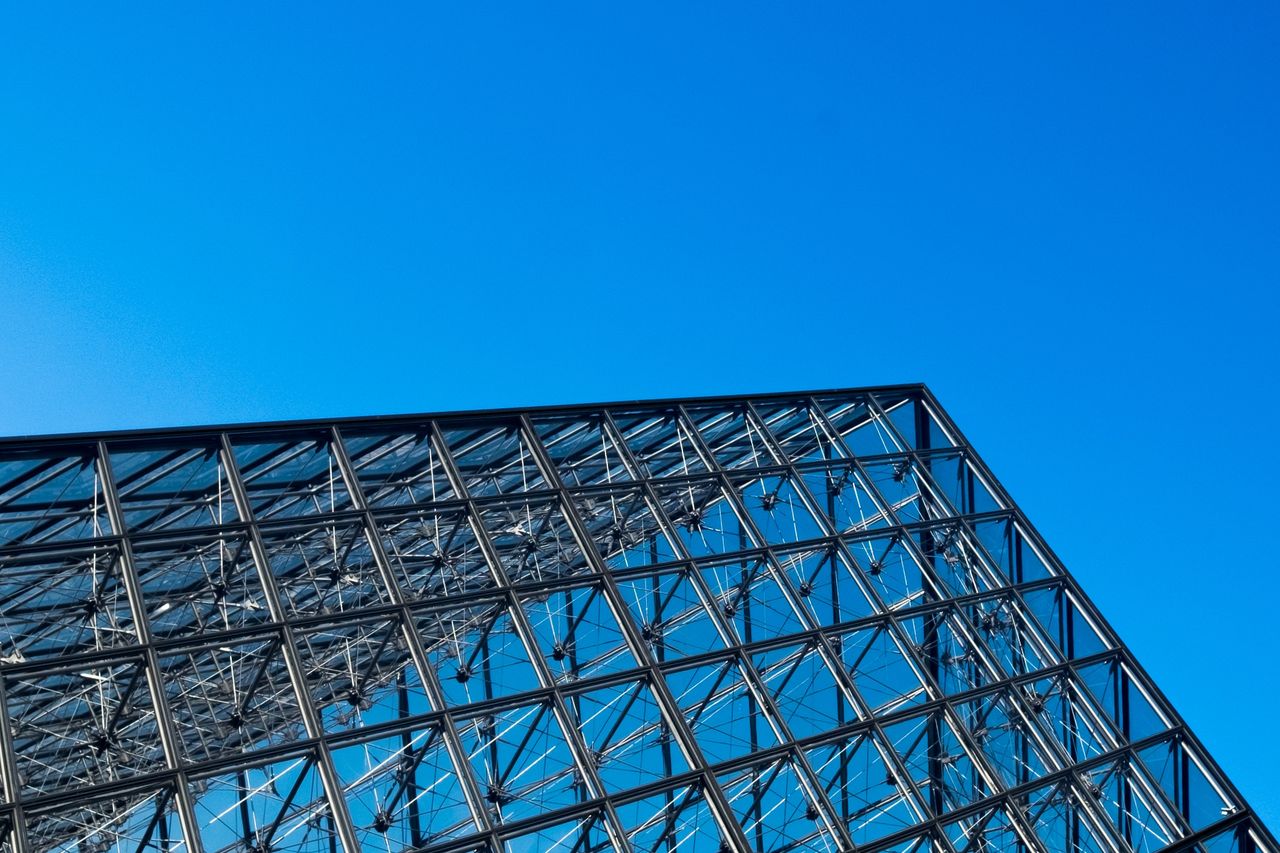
x,y
791,622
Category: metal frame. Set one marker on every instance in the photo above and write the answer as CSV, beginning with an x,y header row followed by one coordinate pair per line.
x,y
795,621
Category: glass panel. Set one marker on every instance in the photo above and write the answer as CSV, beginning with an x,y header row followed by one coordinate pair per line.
x,y
624,528
750,599
136,821
164,486
403,790
475,652
932,753
231,698
844,499
576,632
92,724
721,709
800,431
522,761
398,467
434,553
672,617
860,427
290,476
677,819
661,443
582,450
828,588
1177,769
626,737
734,439
704,520
946,652
199,586
51,497
279,807
862,786
801,685
882,675
779,508
493,459
533,540
325,567
577,835
360,674
62,602
776,809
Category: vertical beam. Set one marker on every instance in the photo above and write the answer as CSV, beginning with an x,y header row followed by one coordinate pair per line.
x,y
577,747
169,738
12,779
746,525
311,721
667,704
417,652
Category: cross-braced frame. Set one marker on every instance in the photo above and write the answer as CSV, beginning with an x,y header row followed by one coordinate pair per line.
x,y
804,621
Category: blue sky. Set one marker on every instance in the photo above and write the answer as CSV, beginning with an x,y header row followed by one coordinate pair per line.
x,y
1061,217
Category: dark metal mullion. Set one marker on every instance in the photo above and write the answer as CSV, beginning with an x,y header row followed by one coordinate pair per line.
x,y
1105,631
805,772
669,708
242,802
889,623
427,675
13,782
311,719
166,729
933,664
411,773
524,629
287,801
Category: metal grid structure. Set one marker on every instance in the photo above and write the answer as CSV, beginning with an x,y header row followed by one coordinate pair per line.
x,y
808,621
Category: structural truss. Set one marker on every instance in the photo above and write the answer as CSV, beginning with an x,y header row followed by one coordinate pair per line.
x,y
793,622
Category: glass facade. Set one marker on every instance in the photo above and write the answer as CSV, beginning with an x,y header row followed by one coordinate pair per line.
x,y
795,622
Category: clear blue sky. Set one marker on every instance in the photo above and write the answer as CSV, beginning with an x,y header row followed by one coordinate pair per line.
x,y
1062,217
